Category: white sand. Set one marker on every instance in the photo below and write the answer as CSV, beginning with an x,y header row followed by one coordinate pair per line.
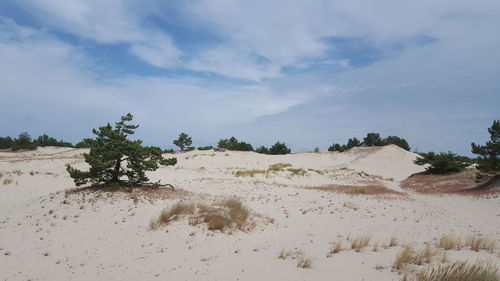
x,y
108,239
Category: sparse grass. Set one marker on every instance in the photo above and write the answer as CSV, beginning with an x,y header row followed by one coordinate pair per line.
x,y
477,243
229,213
1,175
7,181
404,257
216,221
284,254
408,255
360,242
304,262
280,167
299,172
425,255
319,172
450,242
350,205
249,173
393,241
460,271
336,248
174,213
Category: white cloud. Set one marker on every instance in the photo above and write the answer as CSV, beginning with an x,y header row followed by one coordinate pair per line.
x,y
109,22
45,79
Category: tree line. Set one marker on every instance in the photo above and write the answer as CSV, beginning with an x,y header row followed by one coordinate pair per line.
x,y
371,139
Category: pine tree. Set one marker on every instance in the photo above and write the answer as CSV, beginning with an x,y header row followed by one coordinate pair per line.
x,y
183,142
279,148
489,154
111,150
373,139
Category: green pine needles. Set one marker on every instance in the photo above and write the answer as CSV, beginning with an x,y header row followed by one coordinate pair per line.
x,y
113,156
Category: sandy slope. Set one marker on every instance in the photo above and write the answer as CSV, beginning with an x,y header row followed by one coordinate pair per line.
x,y
50,235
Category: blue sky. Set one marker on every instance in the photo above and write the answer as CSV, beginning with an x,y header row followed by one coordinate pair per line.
x,y
309,73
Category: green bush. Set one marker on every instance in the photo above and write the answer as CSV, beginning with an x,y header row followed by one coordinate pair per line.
x,y
233,144
489,154
23,141
205,147
442,163
397,141
279,148
262,150
337,147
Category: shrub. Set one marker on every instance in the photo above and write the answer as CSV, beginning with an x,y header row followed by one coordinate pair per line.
x,y
233,144
279,148
23,141
337,147
489,154
262,150
6,142
442,163
397,141
372,139
205,147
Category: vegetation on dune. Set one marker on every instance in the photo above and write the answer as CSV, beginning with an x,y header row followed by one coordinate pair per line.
x,y
460,271
371,139
442,163
278,148
112,156
233,144
225,214
208,147
184,142
24,141
489,154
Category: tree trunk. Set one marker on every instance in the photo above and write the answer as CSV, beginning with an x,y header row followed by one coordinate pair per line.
x,y
117,170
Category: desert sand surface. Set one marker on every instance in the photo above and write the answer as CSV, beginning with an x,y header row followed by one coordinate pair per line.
x,y
48,233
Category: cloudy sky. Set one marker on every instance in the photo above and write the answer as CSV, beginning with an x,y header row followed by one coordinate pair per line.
x,y
309,73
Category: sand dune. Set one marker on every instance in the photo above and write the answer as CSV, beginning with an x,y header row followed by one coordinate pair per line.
x,y
49,234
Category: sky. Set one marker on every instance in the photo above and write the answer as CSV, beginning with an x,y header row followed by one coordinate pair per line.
x,y
309,73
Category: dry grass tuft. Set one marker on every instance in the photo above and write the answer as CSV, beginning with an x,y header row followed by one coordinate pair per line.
x,y
336,248
461,271
304,262
450,242
299,172
249,173
393,241
477,243
408,255
280,167
360,242
373,189
7,181
229,213
284,254
404,257
1,175
425,255
174,213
